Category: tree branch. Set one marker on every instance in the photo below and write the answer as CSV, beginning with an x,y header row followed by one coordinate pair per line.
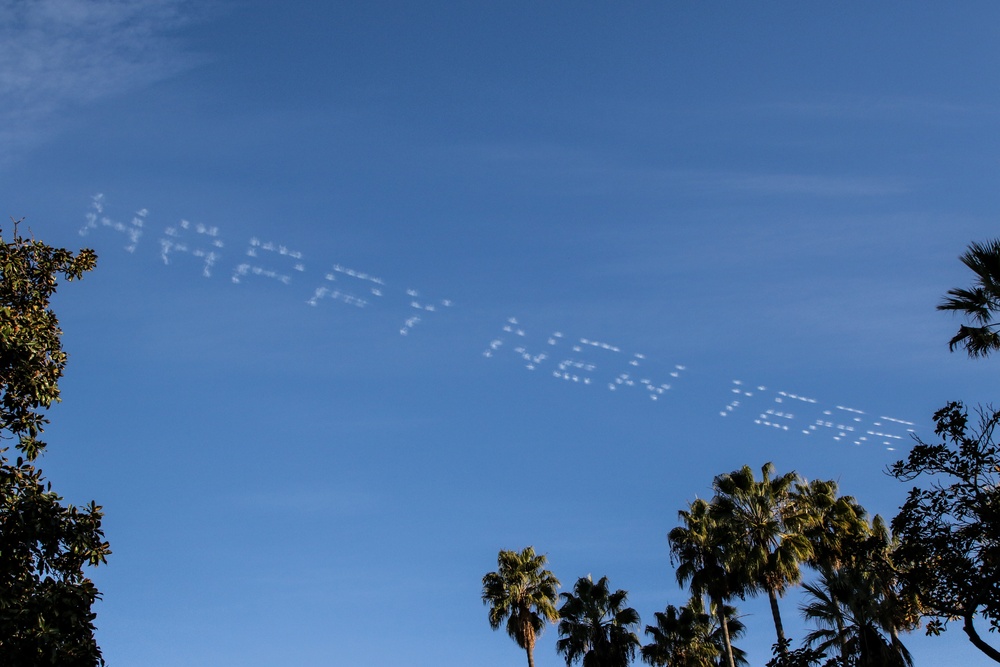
x,y
976,640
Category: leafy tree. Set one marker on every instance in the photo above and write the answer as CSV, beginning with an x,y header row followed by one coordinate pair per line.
x,y
949,531
523,593
699,550
979,303
596,626
689,637
45,599
764,528
800,657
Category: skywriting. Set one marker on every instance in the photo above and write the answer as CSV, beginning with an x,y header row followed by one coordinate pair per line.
x,y
592,362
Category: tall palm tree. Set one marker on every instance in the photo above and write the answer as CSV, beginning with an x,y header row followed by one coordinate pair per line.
x,y
899,610
596,626
698,549
523,593
834,526
858,604
734,629
689,637
680,639
980,303
846,607
765,527
831,522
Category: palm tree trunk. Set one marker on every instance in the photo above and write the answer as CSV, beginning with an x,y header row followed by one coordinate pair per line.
x,y
531,658
720,610
841,638
897,645
778,627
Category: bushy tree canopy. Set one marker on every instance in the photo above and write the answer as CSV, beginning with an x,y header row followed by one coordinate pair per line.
x,y
949,529
45,599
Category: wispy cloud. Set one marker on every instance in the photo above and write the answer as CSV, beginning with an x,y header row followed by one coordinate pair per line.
x,y
809,185
877,108
57,54
577,170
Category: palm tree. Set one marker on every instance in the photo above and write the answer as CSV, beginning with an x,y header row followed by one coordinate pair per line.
x,y
899,610
834,525
689,637
846,607
764,527
830,522
980,302
596,625
679,639
698,549
734,629
523,593
858,604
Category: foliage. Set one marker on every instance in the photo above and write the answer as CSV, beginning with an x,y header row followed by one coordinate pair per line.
x,y
690,637
703,555
764,527
800,657
832,523
835,523
848,606
523,593
949,532
45,599
755,535
680,639
856,602
45,612
980,302
31,355
596,626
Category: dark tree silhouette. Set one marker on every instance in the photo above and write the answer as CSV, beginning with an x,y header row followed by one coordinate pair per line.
x,y
949,531
596,627
980,303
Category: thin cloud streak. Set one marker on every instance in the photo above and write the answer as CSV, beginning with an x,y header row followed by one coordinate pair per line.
x,y
878,109
808,185
591,172
57,54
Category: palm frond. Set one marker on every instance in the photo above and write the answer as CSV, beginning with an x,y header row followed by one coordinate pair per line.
x,y
522,593
980,303
977,341
595,625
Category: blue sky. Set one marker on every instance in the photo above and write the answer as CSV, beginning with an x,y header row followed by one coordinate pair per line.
x,y
333,238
